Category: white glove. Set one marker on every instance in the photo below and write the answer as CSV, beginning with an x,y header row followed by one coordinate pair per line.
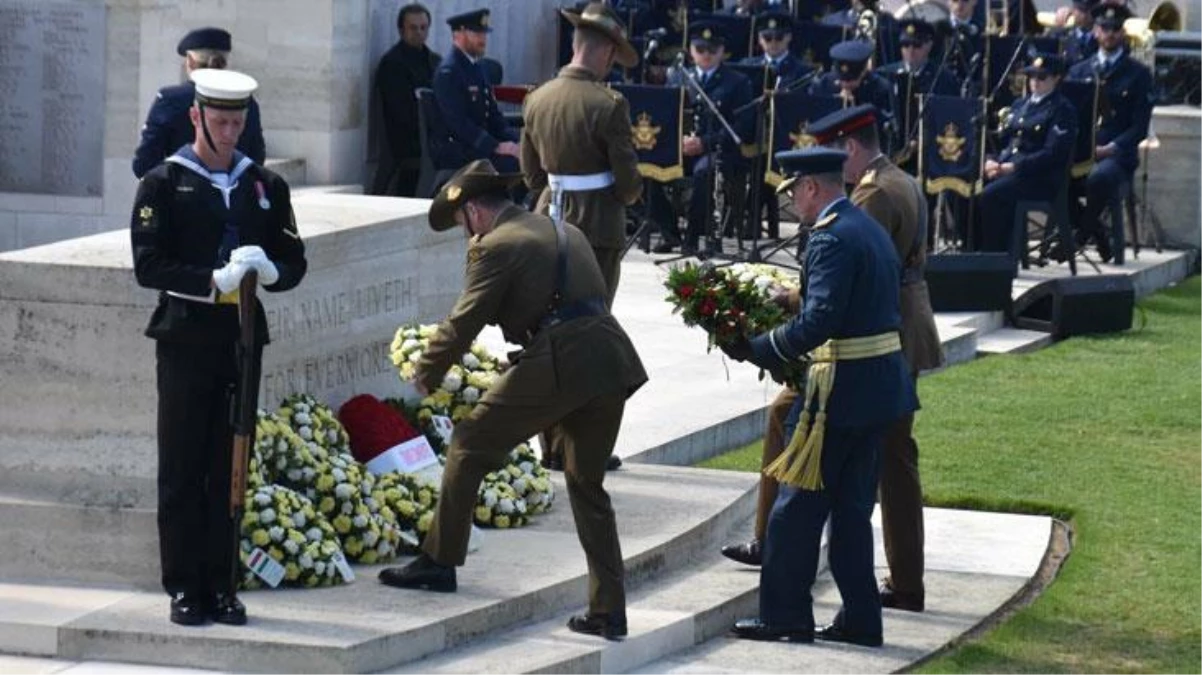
x,y
227,278
254,257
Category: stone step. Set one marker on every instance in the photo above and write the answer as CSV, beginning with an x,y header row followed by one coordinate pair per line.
x,y
518,577
348,189
1012,341
291,169
680,611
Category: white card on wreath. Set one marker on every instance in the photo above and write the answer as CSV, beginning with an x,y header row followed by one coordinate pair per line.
x,y
344,568
443,426
265,567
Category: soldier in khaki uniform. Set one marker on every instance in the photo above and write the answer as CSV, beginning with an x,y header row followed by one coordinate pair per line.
x,y
539,281
576,142
894,199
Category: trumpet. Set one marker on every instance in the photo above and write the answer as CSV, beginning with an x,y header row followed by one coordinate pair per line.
x,y
1003,119
866,25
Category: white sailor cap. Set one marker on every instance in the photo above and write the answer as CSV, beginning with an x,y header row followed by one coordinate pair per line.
x,y
223,89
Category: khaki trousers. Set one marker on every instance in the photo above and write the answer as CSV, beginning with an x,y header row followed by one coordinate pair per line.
x,y
587,433
774,444
901,507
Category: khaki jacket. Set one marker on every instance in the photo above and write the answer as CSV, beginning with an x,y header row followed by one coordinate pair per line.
x,y
510,279
575,125
893,199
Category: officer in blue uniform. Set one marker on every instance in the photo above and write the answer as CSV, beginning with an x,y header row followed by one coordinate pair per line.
x,y
469,126
1127,98
1038,140
775,31
1078,42
851,79
914,76
849,322
168,127
730,91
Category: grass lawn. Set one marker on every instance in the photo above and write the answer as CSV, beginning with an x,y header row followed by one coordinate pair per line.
x,y
1105,432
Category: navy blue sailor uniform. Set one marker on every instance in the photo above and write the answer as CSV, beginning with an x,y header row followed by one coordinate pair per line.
x,y
168,127
1126,107
851,304
186,221
1038,140
470,125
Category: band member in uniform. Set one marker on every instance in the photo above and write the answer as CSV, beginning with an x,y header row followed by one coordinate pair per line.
x,y
894,199
775,31
1078,40
577,150
1038,146
850,314
168,126
730,91
962,19
475,127
851,79
200,220
1128,96
913,77
404,69
539,280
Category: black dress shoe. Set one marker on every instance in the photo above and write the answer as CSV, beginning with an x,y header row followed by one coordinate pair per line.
x,y
423,574
1104,251
609,626
189,609
664,247
836,633
613,463
910,602
748,553
228,609
754,629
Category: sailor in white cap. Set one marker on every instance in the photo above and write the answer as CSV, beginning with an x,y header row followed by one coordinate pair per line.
x,y
200,221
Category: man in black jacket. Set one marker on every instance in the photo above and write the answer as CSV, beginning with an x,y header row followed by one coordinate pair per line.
x,y
407,67
200,221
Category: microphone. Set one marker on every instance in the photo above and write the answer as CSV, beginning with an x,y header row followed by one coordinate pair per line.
x,y
652,45
657,34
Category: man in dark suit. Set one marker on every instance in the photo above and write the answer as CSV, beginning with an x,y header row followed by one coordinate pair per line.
x,y
168,126
730,91
1127,102
404,69
850,315
1033,164
1078,40
469,124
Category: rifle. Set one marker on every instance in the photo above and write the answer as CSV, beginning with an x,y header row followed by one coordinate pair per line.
x,y
244,413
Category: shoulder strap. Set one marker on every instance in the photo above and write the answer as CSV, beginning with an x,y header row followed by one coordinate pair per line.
x,y
920,234
561,267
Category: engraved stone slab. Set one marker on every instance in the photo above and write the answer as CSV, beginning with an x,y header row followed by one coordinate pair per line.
x,y
52,67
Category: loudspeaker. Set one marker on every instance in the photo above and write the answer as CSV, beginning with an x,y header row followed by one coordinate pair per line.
x,y
1077,305
963,282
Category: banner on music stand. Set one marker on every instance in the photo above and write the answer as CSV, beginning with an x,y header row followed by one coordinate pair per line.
x,y
790,114
812,43
657,124
951,147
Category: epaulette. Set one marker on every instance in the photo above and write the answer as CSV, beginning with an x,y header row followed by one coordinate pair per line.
x,y
826,221
869,177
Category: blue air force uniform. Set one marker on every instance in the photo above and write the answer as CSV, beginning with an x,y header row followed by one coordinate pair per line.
x,y
168,125
1038,140
911,83
850,61
1127,97
469,126
851,291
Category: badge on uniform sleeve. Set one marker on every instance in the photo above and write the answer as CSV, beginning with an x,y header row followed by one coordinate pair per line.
x,y
262,193
146,214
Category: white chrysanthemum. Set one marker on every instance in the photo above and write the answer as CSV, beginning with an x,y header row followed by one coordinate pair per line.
x,y
370,537
383,548
305,561
505,506
359,521
291,547
302,418
319,568
305,433
490,498
410,344
452,382
343,490
276,533
294,475
526,467
298,520
262,499
470,395
267,516
414,357
520,505
519,485
314,534
470,361
347,508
